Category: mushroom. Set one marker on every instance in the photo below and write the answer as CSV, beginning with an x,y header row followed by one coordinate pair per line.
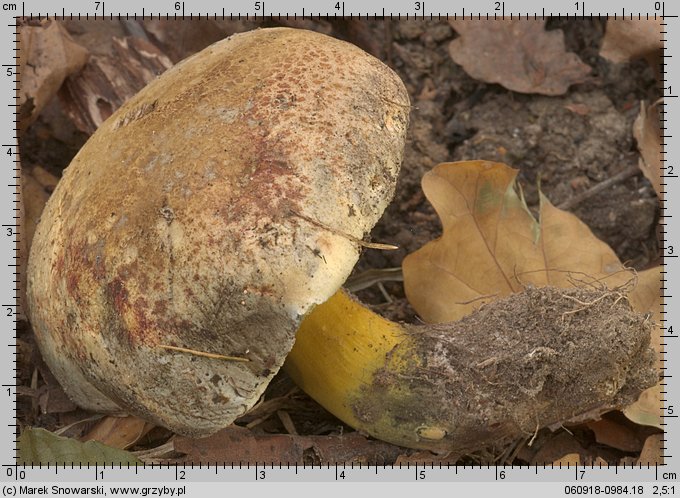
x,y
206,217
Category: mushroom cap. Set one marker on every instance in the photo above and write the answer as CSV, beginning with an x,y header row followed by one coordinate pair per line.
x,y
211,212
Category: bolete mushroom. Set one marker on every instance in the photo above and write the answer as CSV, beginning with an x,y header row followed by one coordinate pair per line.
x,y
216,209
206,217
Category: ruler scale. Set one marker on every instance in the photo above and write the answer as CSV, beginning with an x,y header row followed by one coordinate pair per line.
x,y
207,477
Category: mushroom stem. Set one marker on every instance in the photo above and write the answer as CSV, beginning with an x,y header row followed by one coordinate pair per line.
x,y
536,358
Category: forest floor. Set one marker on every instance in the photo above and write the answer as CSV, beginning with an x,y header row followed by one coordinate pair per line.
x,y
566,143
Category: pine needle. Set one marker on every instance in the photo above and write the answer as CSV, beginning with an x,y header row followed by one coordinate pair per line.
x,y
214,356
363,243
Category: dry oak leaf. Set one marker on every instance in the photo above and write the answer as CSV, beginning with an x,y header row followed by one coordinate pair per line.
x,y
627,39
616,435
118,432
22,246
568,460
518,54
492,246
646,298
37,183
47,56
647,133
37,446
652,451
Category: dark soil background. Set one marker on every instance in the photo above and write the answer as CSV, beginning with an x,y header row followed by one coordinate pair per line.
x,y
567,143
458,118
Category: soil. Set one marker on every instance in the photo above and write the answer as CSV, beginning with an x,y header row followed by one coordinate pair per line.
x,y
567,143
457,118
514,365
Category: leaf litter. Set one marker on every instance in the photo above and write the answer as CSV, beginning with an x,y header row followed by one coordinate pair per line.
x,y
518,54
434,91
492,246
118,432
38,446
627,39
48,56
237,444
647,133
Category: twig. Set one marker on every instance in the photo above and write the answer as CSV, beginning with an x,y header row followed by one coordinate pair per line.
x,y
363,243
154,455
384,292
287,422
563,427
474,300
214,356
533,438
62,430
368,278
596,189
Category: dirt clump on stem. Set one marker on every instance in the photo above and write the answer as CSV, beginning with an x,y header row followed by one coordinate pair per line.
x,y
538,358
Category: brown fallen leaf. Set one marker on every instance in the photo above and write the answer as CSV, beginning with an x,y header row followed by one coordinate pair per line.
x,y
646,297
52,399
180,40
627,39
96,37
36,185
647,409
50,396
236,444
568,460
46,179
492,246
21,245
518,54
615,435
47,56
118,432
652,451
647,133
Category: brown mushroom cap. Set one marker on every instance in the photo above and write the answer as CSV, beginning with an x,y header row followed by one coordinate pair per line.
x,y
196,217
